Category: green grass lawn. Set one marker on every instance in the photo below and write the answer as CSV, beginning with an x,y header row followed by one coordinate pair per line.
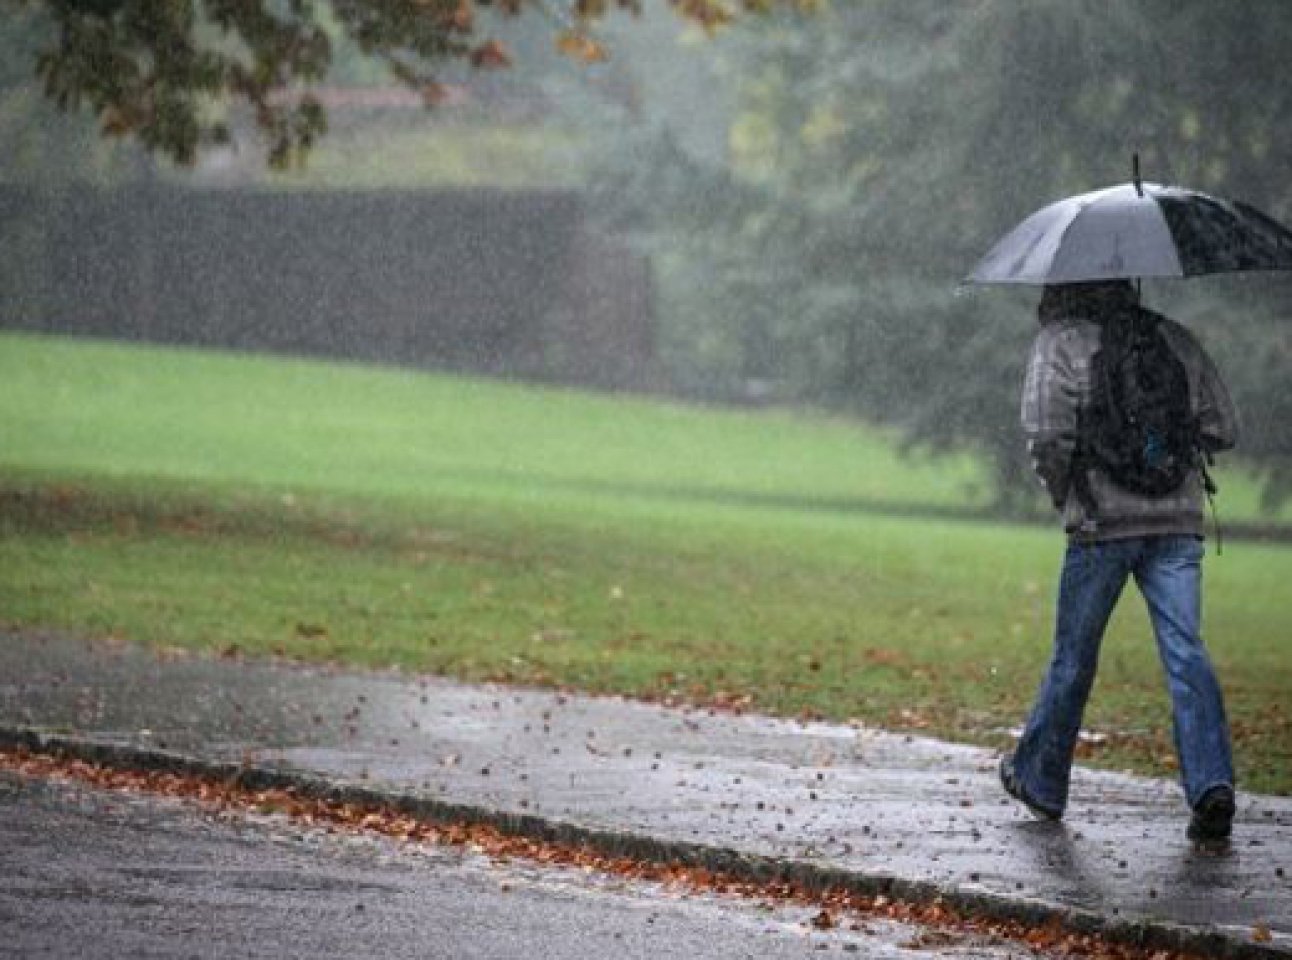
x,y
325,511
136,411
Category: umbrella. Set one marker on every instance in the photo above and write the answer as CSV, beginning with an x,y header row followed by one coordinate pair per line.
x,y
1136,230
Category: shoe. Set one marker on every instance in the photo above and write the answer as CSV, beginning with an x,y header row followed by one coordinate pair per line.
x,y
1009,780
1213,817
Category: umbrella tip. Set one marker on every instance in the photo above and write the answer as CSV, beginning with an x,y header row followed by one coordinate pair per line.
x,y
1139,186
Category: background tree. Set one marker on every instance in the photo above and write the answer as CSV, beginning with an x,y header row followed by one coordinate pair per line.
x,y
166,71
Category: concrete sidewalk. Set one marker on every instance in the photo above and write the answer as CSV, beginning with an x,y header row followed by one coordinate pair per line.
x,y
914,816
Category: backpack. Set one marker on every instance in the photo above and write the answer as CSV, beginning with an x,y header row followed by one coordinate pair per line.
x,y
1139,427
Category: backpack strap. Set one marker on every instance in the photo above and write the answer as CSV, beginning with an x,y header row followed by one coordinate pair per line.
x,y
1206,460
1082,458
1079,471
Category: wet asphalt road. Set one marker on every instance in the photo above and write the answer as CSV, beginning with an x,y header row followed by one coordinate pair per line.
x,y
90,873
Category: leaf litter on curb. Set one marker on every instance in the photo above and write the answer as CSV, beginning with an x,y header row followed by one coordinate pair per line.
x,y
835,908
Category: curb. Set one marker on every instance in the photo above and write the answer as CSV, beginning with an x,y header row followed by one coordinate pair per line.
x,y
1146,934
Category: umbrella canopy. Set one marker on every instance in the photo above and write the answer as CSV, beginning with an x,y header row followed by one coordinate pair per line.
x,y
1136,230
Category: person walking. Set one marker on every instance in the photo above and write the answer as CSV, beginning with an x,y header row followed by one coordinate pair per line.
x,y
1122,523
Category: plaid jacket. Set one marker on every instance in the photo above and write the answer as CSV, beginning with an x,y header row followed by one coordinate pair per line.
x,y
1056,387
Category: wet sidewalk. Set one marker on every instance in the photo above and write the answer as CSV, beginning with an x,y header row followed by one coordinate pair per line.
x,y
925,814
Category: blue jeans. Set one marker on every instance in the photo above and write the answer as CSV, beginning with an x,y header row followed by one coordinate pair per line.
x,y
1168,571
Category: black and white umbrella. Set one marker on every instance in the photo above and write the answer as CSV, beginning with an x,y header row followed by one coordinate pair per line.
x,y
1136,230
